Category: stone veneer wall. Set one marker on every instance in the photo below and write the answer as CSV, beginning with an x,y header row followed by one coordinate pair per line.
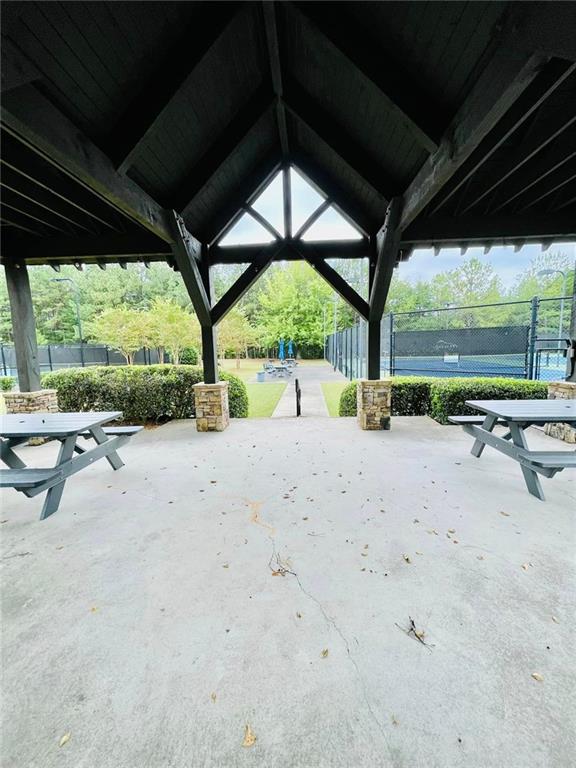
x,y
373,399
561,390
41,401
212,412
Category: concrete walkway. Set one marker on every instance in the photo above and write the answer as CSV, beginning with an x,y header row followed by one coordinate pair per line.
x,y
312,400
265,577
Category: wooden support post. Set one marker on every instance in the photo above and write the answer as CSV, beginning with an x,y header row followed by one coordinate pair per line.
x,y
23,326
386,247
209,337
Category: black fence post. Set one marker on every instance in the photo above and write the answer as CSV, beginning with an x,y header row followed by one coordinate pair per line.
x,y
532,336
82,362
49,356
5,369
391,364
107,355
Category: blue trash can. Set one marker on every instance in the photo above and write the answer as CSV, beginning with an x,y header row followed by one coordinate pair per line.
x,y
260,376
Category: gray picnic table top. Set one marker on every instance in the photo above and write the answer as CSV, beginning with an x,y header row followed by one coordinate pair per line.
x,y
535,411
67,428
518,416
28,425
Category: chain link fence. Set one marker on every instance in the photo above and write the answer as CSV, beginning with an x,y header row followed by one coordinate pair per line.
x,y
519,339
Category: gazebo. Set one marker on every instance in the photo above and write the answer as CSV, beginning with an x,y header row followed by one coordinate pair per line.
x,y
146,134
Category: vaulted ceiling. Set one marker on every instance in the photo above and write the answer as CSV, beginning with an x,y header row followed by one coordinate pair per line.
x,y
113,112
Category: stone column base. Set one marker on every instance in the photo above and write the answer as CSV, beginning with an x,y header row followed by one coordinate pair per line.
x,y
41,401
561,390
212,413
373,398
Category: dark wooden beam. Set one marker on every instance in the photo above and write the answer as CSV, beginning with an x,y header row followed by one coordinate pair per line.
x,y
247,191
543,134
287,192
71,249
312,218
502,229
326,184
333,279
387,241
225,144
245,254
374,346
245,282
549,186
28,206
261,220
545,84
209,333
402,94
23,326
326,128
547,166
170,77
16,69
187,252
274,58
506,75
33,120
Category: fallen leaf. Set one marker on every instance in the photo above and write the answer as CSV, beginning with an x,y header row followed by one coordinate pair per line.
x,y
454,541
298,615
364,554
407,558
451,530
324,653
226,566
249,737
479,557
93,609
537,676
365,546
419,553
555,620
524,566
505,514
394,721
65,739
420,633
213,697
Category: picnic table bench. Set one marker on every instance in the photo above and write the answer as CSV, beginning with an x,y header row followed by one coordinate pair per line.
x,y
517,416
16,429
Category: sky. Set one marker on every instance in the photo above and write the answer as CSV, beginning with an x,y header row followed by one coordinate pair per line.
x,y
423,263
507,264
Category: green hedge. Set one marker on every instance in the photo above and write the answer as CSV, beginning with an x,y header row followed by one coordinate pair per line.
x,y
448,396
7,383
440,398
153,393
189,356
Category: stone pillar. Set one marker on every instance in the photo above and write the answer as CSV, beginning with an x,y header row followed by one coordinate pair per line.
x,y
212,414
40,401
373,398
561,390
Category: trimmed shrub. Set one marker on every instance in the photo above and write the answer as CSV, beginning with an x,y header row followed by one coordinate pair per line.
x,y
7,383
154,393
189,356
448,396
440,398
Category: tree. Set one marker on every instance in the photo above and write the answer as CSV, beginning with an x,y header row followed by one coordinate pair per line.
x,y
171,328
126,330
235,334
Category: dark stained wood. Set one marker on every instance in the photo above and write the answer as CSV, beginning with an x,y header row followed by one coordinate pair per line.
x,y
187,252
270,23
23,326
28,116
402,94
387,241
222,148
113,245
170,76
246,280
304,108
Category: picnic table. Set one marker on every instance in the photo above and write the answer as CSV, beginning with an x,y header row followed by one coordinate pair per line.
x,y
517,416
67,428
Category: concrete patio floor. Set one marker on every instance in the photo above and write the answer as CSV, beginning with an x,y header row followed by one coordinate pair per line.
x,y
265,577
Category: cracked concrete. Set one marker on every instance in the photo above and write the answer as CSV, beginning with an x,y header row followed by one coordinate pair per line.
x,y
170,604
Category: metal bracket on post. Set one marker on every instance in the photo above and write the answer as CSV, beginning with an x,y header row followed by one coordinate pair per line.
x,y
535,304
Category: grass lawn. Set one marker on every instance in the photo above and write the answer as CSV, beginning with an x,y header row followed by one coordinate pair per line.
x,y
249,368
263,399
332,391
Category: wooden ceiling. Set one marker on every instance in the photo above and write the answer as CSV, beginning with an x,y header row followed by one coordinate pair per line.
x,y
114,113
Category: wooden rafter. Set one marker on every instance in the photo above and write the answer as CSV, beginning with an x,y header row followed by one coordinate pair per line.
x,y
187,252
401,92
387,241
169,78
273,44
224,145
